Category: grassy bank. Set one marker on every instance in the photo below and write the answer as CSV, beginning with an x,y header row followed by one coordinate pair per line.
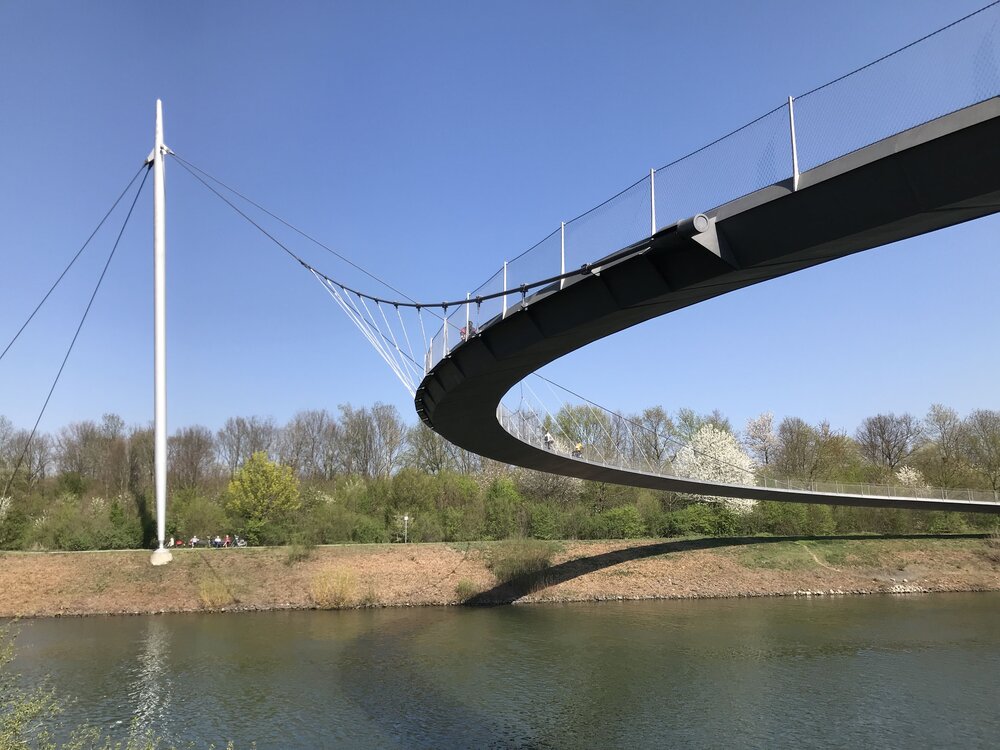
x,y
47,584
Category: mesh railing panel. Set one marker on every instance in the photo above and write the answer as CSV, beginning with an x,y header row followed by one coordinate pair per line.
x,y
943,73
484,313
615,224
753,157
540,262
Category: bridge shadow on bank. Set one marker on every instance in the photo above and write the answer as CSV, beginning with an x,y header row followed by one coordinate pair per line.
x,y
509,591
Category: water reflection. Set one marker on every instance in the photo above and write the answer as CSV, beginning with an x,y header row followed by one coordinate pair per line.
x,y
151,686
891,672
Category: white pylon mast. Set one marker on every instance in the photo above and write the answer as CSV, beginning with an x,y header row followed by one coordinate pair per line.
x,y
161,555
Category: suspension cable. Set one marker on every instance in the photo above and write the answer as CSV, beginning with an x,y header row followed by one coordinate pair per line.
x,y
76,335
294,228
72,261
373,298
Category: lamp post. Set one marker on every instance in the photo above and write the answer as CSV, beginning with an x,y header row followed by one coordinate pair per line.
x,y
406,528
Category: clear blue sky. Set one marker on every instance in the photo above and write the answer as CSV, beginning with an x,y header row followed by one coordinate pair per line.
x,y
429,141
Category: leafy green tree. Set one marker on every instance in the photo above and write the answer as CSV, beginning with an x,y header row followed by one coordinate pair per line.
x,y
263,493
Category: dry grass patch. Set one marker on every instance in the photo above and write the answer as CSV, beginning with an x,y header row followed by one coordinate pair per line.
x,y
332,589
214,593
515,558
466,589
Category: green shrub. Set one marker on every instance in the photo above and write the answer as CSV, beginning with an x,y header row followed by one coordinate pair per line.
x,y
576,523
77,524
942,522
14,528
623,522
502,505
703,519
462,524
368,531
543,521
651,512
426,528
192,513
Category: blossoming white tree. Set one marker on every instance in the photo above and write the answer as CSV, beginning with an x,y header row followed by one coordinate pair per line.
x,y
910,477
716,456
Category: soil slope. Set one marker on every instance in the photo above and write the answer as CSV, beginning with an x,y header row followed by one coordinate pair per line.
x,y
84,583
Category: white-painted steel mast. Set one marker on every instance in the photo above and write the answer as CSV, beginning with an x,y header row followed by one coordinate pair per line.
x,y
161,555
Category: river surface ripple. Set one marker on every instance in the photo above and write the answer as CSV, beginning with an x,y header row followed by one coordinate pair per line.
x,y
886,672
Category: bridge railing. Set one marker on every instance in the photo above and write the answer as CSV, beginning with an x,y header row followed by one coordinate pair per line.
x,y
529,427
884,490
951,69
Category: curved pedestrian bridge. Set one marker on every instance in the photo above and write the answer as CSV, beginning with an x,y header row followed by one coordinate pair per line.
x,y
931,176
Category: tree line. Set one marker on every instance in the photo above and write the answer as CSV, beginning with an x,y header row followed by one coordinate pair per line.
x,y
350,476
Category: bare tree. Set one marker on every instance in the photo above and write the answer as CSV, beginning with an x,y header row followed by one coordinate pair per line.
x,y
426,450
803,451
191,452
390,434
981,440
241,437
796,453
140,459
78,449
655,441
357,441
886,440
113,467
371,440
584,424
36,460
303,442
942,461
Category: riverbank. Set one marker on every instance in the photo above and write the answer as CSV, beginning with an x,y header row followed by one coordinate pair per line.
x,y
384,575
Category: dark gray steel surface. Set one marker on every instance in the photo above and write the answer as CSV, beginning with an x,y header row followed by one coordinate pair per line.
x,y
938,174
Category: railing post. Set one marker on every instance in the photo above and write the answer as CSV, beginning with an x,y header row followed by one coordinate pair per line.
x,y
562,252
652,202
444,336
468,331
795,150
504,314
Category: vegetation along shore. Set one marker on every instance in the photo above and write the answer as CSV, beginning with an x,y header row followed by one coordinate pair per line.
x,y
357,509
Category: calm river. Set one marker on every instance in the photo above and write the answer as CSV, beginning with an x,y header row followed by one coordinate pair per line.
x,y
902,672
